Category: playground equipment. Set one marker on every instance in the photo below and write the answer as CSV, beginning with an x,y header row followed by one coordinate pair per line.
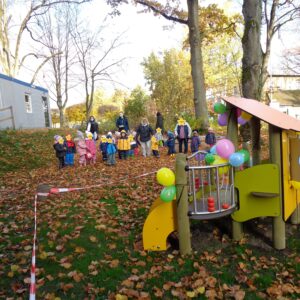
x,y
208,192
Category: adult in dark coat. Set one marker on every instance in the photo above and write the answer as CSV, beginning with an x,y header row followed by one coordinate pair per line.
x,y
144,133
159,121
93,127
122,123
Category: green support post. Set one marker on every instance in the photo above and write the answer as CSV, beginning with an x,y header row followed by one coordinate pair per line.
x,y
232,134
183,220
275,157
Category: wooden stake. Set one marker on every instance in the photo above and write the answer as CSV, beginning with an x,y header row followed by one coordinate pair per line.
x,y
232,134
275,158
183,221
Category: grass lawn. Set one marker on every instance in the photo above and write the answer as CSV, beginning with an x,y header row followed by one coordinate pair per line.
x,y
90,241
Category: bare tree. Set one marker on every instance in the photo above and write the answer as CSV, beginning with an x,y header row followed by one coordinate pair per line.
x,y
291,61
96,61
11,35
53,32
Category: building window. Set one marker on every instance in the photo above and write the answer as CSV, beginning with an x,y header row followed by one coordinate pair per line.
x,y
46,111
28,104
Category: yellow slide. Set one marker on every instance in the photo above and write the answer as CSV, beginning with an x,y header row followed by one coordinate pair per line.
x,y
160,222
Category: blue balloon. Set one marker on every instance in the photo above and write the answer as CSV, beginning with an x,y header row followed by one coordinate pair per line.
x,y
236,159
213,150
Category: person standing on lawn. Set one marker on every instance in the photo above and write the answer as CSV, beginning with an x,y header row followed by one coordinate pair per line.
x,y
122,123
144,133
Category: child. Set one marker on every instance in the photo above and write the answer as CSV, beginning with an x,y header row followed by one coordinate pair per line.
x,y
60,150
210,138
81,148
171,144
123,145
195,143
90,148
111,151
70,150
159,137
154,147
132,143
102,147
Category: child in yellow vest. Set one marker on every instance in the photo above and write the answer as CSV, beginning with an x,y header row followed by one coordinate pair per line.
x,y
154,147
123,145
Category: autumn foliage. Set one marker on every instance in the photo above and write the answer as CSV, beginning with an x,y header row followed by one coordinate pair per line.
x,y
90,244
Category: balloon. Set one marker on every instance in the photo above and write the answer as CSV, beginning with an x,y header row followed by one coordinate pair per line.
x,y
246,116
165,177
225,148
236,159
222,119
245,153
218,161
219,108
168,193
213,150
209,158
238,112
241,121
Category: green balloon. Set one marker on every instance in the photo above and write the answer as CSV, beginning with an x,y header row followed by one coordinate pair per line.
x,y
219,108
209,158
245,154
168,193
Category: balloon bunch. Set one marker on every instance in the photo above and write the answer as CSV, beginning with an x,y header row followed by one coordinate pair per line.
x,y
223,152
220,109
166,177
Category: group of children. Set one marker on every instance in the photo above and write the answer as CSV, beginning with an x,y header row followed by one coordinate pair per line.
x,y
122,143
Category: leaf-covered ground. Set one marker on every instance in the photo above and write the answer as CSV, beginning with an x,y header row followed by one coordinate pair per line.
x,y
90,242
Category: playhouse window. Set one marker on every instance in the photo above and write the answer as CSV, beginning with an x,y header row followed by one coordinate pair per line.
x,y
28,105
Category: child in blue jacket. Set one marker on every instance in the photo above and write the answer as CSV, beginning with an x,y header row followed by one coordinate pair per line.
x,y
111,150
171,144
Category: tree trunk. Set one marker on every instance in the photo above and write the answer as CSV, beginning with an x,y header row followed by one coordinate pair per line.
x,y
61,116
197,63
251,69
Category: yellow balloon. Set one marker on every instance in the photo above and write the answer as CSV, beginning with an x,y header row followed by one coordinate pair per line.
x,y
218,161
246,116
165,177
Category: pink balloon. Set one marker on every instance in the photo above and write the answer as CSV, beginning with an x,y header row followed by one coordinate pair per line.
x,y
222,119
225,148
241,121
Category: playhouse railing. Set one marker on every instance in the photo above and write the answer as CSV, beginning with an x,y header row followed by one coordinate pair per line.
x,y
210,188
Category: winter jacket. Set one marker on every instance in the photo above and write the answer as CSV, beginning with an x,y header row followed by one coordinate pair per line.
x,y
60,150
195,143
144,132
103,147
210,138
122,123
154,145
171,140
187,131
123,144
81,147
93,127
70,147
91,147
111,148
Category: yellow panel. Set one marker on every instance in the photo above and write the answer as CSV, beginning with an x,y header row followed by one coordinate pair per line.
x,y
289,190
160,222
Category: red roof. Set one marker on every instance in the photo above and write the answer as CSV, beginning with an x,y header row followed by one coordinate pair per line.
x,y
265,113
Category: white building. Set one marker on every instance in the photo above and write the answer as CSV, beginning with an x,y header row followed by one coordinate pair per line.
x,y
23,105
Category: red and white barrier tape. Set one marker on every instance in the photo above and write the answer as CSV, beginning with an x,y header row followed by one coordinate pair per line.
x,y
57,191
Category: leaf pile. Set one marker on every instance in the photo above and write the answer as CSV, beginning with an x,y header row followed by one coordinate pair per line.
x,y
90,242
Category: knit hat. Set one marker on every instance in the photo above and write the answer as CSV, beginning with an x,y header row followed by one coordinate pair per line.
x,y
80,134
57,137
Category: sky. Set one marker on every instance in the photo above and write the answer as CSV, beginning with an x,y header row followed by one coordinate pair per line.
x,y
144,33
